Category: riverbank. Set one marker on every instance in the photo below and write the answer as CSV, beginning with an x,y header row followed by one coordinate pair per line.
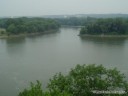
x,y
72,26
104,36
4,36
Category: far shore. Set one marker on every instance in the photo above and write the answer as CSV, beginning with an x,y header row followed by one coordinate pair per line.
x,y
25,34
87,35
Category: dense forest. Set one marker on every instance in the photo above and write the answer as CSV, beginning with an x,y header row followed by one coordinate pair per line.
x,y
110,26
27,25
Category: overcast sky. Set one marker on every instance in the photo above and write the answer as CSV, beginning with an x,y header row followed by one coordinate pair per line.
x,y
58,7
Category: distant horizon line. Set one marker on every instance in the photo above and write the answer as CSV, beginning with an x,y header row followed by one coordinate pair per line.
x,y
66,14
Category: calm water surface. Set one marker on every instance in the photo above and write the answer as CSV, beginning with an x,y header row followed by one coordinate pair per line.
x,y
34,58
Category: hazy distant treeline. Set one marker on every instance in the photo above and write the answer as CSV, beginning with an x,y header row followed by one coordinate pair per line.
x,y
74,21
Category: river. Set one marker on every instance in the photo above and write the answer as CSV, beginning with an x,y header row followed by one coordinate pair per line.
x,y
26,59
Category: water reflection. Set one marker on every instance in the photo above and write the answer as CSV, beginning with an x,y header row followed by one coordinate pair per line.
x,y
15,45
111,52
105,40
54,32
15,40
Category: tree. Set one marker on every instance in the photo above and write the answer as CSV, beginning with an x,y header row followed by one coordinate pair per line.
x,y
29,25
83,79
11,29
36,90
116,26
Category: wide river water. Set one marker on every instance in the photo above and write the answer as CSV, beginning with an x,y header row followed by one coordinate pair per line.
x,y
26,59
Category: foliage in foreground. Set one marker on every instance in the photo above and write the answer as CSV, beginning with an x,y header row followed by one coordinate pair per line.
x,y
81,81
36,90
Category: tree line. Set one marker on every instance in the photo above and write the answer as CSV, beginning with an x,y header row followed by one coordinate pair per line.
x,y
110,26
28,25
83,80
75,21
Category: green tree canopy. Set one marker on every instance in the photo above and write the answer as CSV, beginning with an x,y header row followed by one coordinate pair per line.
x,y
28,25
111,26
82,81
